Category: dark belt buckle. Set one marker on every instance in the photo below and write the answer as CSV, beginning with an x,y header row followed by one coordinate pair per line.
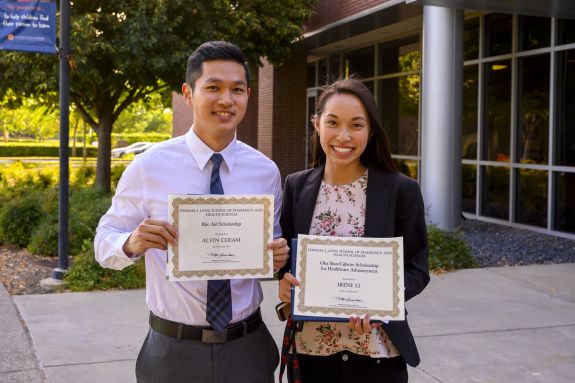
x,y
212,336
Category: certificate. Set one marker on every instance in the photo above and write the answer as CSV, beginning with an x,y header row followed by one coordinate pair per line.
x,y
221,237
342,277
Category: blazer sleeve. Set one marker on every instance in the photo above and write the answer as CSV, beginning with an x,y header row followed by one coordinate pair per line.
x,y
287,220
410,223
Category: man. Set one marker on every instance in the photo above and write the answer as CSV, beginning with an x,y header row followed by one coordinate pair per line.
x,y
180,346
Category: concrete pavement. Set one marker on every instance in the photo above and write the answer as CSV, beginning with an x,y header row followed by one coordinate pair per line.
x,y
497,325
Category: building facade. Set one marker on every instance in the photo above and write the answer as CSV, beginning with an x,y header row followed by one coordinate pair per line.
x,y
478,99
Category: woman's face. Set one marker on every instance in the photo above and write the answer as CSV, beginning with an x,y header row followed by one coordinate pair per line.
x,y
343,128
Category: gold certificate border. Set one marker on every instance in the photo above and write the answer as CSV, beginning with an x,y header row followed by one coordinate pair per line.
x,y
328,311
211,200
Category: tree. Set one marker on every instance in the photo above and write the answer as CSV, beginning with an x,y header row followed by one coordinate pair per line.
x,y
125,50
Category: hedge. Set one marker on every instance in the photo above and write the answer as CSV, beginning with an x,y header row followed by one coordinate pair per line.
x,y
42,150
131,138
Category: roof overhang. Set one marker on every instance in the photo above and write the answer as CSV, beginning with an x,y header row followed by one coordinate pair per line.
x,y
557,8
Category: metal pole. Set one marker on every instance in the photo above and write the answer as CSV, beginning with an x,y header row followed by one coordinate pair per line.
x,y
58,273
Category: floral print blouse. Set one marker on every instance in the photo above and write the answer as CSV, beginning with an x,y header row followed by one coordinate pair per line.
x,y
340,211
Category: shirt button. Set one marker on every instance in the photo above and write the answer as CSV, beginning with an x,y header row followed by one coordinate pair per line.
x,y
378,361
345,357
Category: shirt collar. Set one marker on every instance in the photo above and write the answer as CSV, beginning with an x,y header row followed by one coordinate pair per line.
x,y
202,152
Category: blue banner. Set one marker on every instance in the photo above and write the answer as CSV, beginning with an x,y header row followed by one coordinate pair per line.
x,y
28,26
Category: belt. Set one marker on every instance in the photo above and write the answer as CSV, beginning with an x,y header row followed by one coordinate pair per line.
x,y
206,334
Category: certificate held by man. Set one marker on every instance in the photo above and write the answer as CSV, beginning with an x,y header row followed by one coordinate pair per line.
x,y
221,237
342,277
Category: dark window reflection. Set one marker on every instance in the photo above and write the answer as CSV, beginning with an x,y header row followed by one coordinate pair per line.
x,y
497,114
322,77
311,75
531,208
498,31
407,167
566,32
469,131
468,188
399,105
495,192
534,32
565,102
471,39
334,72
361,62
564,202
401,55
533,110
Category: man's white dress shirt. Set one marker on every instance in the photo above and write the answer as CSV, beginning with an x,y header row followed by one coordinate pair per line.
x,y
182,166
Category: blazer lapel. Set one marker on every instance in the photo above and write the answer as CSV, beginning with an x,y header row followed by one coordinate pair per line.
x,y
377,203
307,199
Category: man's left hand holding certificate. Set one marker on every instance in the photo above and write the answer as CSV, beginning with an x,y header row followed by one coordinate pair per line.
x,y
221,237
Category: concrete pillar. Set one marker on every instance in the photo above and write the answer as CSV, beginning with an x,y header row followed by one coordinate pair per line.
x,y
442,92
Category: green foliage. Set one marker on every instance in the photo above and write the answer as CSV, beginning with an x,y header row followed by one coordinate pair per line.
x,y
86,274
86,206
131,138
19,218
131,49
29,206
448,251
40,150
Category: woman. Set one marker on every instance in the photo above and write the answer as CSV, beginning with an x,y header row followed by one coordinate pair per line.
x,y
354,189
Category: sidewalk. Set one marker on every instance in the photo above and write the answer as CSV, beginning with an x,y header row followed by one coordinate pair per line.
x,y
497,325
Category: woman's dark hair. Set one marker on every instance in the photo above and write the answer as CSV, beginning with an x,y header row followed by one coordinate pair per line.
x,y
377,151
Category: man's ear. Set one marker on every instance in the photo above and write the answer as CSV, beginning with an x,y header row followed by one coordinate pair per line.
x,y
249,91
187,92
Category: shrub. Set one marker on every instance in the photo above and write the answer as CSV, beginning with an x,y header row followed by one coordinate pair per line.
x,y
86,274
448,251
19,218
86,206
131,138
41,150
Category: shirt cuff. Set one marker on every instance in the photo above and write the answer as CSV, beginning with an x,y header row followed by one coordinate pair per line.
x,y
119,248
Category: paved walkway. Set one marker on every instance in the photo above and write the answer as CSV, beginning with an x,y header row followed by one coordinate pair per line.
x,y
497,325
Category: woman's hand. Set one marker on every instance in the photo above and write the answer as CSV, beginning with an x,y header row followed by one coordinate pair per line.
x,y
285,286
362,326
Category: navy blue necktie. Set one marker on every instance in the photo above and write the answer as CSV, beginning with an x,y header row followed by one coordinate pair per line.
x,y
219,304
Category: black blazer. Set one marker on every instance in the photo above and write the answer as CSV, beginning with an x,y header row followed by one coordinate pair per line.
x,y
394,208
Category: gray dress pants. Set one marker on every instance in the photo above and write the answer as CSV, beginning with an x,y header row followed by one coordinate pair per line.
x,y
252,358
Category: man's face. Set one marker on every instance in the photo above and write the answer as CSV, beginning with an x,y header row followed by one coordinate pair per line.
x,y
219,102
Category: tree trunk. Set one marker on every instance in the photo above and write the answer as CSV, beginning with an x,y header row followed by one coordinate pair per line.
x,y
84,151
104,161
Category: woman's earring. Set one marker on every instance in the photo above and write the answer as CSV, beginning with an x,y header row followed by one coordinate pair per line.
x,y
317,133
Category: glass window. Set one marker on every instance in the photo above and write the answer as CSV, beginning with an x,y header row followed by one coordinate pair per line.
x,y
407,167
311,75
468,188
399,105
401,55
531,201
322,77
360,62
565,32
565,104
334,62
495,192
533,109
534,32
469,129
564,202
498,32
497,113
471,39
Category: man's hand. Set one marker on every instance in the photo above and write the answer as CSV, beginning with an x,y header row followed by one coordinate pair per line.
x,y
150,234
281,252
285,287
